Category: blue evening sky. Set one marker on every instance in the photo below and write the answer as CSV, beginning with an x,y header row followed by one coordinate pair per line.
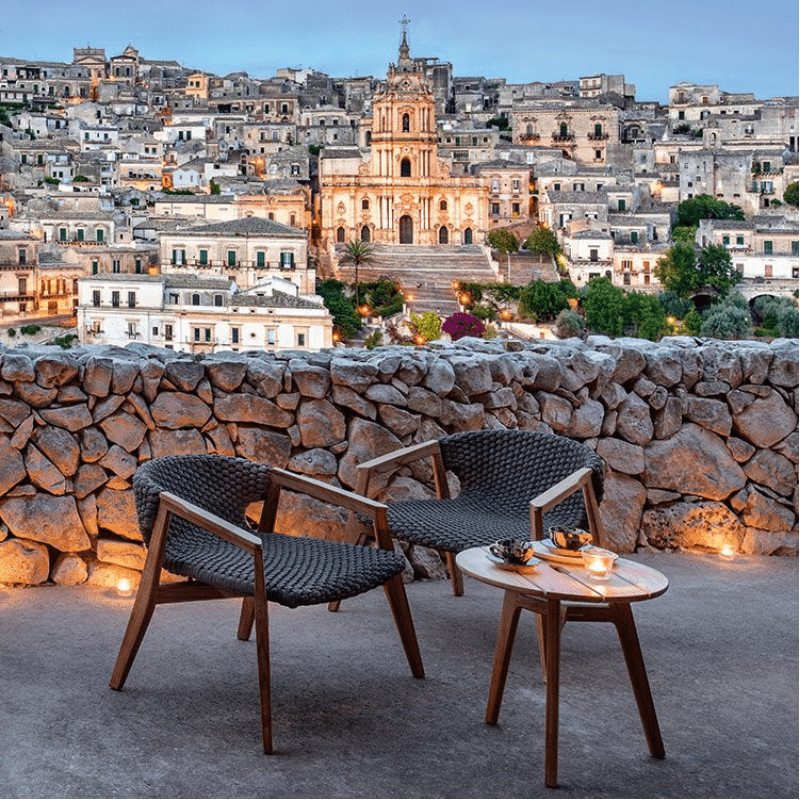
x,y
741,45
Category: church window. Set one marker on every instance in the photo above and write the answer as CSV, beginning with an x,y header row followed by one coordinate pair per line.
x,y
406,123
405,168
563,129
365,233
365,204
443,205
340,234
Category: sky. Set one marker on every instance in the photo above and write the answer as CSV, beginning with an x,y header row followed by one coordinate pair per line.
x,y
740,45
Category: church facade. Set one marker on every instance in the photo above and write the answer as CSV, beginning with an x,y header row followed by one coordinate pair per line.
x,y
394,189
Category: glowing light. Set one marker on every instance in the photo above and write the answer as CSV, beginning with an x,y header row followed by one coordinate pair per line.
x,y
727,552
124,587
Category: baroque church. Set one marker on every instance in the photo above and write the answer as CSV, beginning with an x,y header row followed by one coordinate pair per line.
x,y
394,189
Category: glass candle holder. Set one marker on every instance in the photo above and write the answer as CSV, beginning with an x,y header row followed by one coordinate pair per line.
x,y
598,563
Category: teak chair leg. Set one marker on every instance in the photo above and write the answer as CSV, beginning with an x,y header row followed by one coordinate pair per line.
x,y
456,577
261,619
246,619
509,620
144,604
398,602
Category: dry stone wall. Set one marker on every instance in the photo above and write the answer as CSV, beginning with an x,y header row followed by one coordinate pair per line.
x,y
699,436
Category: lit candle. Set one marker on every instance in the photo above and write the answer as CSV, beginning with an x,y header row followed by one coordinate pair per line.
x,y
598,563
726,552
124,587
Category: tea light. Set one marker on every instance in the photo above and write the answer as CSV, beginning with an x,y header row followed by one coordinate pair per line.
x,y
727,552
598,563
124,587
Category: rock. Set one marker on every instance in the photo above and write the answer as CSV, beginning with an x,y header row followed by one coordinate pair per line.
x,y
621,511
87,508
221,441
14,412
23,562
347,397
314,462
587,420
184,374
384,394
46,518
321,424
226,374
556,412
108,576
152,372
72,418
767,543
123,376
411,371
401,423
630,362
97,374
356,375
42,473
251,408
711,414
621,456
755,361
266,377
440,377
125,430
88,478
765,513
54,371
264,446
692,525
106,407
179,410
549,373
367,441
424,401
123,553
17,367
427,563
667,421
462,416
633,420
34,395
311,381
721,363
182,442
93,444
664,365
774,470
116,513
783,369
69,570
789,447
60,447
472,374
119,461
765,421
676,463
288,402
740,449
644,387
500,397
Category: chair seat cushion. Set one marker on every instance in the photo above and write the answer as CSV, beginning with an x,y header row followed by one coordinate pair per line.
x,y
458,524
298,570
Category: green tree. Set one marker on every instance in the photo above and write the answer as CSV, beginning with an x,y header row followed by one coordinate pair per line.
x,y
346,321
693,321
677,270
604,305
715,269
722,321
543,300
704,206
674,305
792,195
789,323
569,323
684,234
214,187
644,316
543,240
503,240
357,253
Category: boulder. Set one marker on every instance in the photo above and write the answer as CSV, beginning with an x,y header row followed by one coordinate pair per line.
x,y
765,421
42,473
56,370
69,570
310,381
711,414
12,466
692,525
251,408
121,552
264,446
17,367
265,376
179,410
440,377
71,418
226,373
321,424
367,441
633,420
23,562
621,511
125,430
182,442
97,374
44,518
773,470
184,374
621,456
116,513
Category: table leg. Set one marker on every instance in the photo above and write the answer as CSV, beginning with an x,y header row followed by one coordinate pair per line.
x,y
552,635
629,640
509,619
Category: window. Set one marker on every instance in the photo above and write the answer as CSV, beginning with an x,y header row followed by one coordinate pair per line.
x,y
681,115
495,209
116,266
236,334
740,240
301,337
292,219
443,205
22,286
563,130
96,298
261,258
515,185
131,299
795,248
218,300
231,258
365,233
765,167
137,267
80,234
95,267
443,235
556,187
634,237
179,257
168,333
405,168
406,123
593,254
598,155
365,204
115,299
621,204
467,235
726,240
22,257
767,248
99,235
515,209
340,235
598,130
195,299
287,260
203,258
132,332
495,185
271,337
62,234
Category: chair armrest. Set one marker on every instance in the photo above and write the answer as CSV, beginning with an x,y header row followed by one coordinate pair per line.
x,y
327,493
209,521
398,458
580,479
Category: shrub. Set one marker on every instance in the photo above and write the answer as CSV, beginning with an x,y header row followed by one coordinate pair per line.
x,y
568,324
693,322
373,340
460,325
788,323
674,305
427,325
12,332
30,330
504,240
723,321
484,312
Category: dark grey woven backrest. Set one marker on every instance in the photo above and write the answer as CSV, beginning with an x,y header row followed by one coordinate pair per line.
x,y
505,469
220,484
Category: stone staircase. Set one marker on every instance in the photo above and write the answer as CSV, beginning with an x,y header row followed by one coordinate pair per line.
x,y
426,272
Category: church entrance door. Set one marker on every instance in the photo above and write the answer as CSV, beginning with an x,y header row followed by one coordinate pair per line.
x,y
406,230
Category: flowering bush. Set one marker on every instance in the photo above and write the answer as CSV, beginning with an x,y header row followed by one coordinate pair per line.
x,y
460,325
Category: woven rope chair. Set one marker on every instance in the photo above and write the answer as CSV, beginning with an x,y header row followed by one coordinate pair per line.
x,y
513,484
191,512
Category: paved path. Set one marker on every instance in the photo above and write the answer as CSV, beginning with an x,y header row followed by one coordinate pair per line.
x,y
721,648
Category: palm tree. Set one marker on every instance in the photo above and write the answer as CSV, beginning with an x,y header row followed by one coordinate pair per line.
x,y
357,253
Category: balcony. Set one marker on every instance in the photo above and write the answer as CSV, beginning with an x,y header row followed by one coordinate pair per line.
x,y
597,137
563,137
526,138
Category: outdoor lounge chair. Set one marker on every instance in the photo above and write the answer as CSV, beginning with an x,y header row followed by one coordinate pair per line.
x,y
191,512
514,484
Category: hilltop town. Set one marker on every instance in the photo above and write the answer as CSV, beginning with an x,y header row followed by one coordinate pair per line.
x,y
174,207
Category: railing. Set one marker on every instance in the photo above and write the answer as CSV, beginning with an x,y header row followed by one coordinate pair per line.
x,y
596,137
563,137
529,137
216,264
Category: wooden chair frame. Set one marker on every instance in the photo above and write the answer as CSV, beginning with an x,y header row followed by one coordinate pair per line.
x,y
254,611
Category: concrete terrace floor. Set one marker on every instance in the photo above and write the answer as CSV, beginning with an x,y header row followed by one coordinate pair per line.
x,y
721,648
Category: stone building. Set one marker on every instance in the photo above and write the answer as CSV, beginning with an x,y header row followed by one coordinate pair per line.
x,y
397,190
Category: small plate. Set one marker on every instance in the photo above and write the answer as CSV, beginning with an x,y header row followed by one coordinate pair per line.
x,y
562,551
528,566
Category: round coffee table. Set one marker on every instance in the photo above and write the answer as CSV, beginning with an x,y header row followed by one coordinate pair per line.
x,y
544,591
